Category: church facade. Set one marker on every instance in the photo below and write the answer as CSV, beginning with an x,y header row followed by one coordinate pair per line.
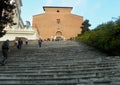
x,y
57,23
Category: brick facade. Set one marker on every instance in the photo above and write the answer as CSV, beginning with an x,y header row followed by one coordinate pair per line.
x,y
57,23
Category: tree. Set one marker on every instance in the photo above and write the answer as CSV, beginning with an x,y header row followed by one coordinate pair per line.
x,y
85,26
6,15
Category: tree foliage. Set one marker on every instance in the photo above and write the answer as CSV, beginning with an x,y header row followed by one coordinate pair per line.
x,y
85,26
6,15
105,37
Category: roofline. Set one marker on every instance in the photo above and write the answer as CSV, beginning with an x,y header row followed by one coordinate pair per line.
x,y
37,14
55,7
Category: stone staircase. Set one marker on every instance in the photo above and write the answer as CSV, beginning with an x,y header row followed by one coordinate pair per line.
x,y
60,63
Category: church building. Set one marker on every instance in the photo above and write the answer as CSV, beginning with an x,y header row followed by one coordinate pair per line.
x,y
57,23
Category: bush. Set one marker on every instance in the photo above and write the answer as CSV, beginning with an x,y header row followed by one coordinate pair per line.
x,y
105,37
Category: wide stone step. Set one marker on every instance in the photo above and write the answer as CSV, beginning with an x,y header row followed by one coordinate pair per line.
x,y
62,63
42,84
38,81
58,70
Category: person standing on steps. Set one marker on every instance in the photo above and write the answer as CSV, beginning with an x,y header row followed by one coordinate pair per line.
x,y
5,49
26,41
40,42
20,42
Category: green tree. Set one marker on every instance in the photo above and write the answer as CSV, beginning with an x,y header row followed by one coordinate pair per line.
x,y
6,15
117,33
85,26
105,37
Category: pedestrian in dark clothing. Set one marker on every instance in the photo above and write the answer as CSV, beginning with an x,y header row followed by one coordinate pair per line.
x,y
26,42
5,49
39,42
20,42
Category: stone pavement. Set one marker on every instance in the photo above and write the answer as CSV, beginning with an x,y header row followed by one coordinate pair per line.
x,y
60,63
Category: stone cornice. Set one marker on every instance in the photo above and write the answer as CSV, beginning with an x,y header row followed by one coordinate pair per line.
x,y
20,31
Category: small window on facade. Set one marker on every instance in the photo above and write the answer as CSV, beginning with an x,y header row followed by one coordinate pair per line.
x,y
58,11
58,21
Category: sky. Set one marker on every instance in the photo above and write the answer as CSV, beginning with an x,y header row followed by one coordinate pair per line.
x,y
96,11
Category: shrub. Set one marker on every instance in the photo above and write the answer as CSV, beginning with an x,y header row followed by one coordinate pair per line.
x,y
105,37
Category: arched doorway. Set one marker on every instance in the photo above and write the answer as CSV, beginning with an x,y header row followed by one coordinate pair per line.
x,y
58,36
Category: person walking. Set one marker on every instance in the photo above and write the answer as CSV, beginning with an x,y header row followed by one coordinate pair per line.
x,y
5,49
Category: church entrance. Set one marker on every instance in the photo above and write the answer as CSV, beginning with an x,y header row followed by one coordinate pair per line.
x,y
58,36
58,39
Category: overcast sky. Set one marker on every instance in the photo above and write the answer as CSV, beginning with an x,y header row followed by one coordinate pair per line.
x,y
96,11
